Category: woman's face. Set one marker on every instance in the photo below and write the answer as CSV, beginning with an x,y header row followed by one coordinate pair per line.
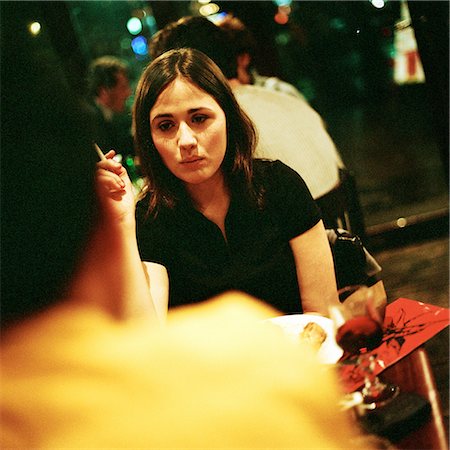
x,y
188,129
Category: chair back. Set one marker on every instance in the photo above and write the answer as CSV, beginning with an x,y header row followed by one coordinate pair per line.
x,y
341,207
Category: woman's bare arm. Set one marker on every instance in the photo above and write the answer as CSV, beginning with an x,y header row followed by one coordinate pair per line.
x,y
315,270
158,282
121,281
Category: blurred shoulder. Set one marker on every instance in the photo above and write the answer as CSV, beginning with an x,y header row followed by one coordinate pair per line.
x,y
261,103
277,85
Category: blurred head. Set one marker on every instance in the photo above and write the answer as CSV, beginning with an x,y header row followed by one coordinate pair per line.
x,y
242,39
198,33
242,45
197,69
47,193
108,82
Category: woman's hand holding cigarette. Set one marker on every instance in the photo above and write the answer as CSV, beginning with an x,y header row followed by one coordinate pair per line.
x,y
113,172
114,191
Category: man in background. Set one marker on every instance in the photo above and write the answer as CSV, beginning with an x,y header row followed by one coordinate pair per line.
x,y
109,90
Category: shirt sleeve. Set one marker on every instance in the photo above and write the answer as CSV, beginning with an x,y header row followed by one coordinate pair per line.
x,y
292,201
148,235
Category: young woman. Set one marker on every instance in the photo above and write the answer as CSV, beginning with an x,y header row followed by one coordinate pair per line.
x,y
211,215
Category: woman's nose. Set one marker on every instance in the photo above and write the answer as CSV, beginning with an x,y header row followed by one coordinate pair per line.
x,y
186,138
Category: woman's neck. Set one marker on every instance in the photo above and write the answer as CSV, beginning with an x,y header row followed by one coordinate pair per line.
x,y
212,199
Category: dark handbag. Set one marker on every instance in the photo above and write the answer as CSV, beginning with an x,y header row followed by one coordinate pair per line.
x,y
350,258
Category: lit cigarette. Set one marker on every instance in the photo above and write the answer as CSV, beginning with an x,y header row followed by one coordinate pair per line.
x,y
99,152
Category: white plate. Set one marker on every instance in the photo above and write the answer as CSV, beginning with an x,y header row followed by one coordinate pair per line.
x,y
293,324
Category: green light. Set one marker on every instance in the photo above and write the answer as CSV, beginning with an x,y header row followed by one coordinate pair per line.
x,y
134,25
125,43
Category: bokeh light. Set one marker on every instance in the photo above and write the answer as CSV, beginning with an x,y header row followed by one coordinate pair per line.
x,y
377,3
134,25
282,2
281,18
210,8
217,18
35,28
139,45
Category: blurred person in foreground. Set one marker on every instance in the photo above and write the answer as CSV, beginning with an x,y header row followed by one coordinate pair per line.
x,y
212,215
288,128
109,89
85,362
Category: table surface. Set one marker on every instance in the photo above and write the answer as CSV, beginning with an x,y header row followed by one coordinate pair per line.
x,y
413,373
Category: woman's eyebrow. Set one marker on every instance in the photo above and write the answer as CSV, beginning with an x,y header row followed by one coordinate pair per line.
x,y
194,110
190,111
159,116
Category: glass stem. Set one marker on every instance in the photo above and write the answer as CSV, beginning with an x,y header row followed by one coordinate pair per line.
x,y
373,387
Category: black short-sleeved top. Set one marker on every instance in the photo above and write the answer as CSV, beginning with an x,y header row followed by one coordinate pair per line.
x,y
256,258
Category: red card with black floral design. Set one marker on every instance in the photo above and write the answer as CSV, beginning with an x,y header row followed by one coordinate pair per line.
x,y
407,325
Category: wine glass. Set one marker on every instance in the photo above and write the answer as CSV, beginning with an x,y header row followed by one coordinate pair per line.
x,y
359,330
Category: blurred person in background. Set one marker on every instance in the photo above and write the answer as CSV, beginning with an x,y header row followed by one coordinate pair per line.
x,y
288,128
85,362
109,89
244,44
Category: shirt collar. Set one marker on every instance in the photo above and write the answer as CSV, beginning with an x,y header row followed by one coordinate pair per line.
x,y
107,112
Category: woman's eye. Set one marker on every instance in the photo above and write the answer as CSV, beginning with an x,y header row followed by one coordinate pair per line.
x,y
164,126
199,119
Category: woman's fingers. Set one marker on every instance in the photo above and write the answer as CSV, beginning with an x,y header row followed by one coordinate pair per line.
x,y
110,179
110,164
110,154
109,172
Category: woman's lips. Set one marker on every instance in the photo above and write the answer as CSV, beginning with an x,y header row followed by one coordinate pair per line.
x,y
191,160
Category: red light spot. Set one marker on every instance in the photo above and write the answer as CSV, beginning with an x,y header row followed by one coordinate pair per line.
x,y
281,18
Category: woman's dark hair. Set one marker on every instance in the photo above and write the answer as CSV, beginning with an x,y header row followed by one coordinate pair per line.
x,y
162,187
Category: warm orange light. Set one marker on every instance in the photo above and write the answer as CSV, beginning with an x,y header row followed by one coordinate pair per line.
x,y
281,18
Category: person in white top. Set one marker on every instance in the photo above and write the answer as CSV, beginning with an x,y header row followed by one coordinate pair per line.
x,y
289,128
275,84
